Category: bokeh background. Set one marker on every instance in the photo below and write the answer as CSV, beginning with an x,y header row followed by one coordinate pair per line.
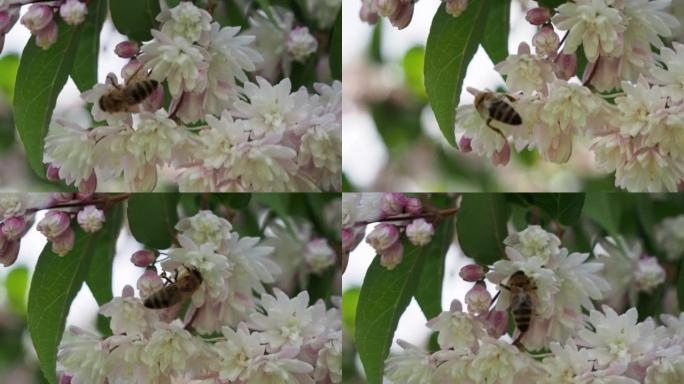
x,y
391,141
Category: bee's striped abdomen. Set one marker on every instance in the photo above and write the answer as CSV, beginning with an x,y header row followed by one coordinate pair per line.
x,y
140,91
522,316
502,111
163,298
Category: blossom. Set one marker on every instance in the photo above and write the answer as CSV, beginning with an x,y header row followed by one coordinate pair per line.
x,y
231,55
265,165
90,219
155,138
170,347
301,44
237,353
70,148
670,236
526,72
649,274
73,11
83,356
187,21
318,255
456,329
499,362
534,241
413,366
672,75
127,314
420,232
205,228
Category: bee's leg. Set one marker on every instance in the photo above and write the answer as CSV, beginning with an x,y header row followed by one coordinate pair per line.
x,y
510,97
497,130
166,278
175,276
494,299
505,286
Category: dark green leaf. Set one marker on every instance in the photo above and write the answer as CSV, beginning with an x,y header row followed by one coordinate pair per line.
x,y
451,44
564,207
304,74
235,15
551,4
350,301
385,294
375,46
84,71
481,226
605,210
495,41
152,217
429,291
336,49
236,200
17,283
277,202
135,18
9,65
42,74
54,285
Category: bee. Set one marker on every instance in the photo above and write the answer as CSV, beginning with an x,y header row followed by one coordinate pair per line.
x,y
522,290
497,106
175,292
127,97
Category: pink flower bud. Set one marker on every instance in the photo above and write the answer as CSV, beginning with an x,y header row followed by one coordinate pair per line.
x,y
546,41
143,258
393,203
8,18
73,12
383,236
386,8
413,206
54,224
497,323
565,65
127,49
37,18
90,219
502,156
367,14
62,244
420,232
87,196
472,272
14,228
403,16
538,16
392,256
127,291
149,282
62,197
9,252
456,7
478,299
64,379
465,144
88,185
351,237
47,36
52,173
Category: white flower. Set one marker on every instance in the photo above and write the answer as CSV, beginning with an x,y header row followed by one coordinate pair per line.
x,y
281,368
205,228
619,257
127,313
287,322
420,232
187,21
526,72
289,238
231,55
665,371
236,353
321,148
456,329
329,362
360,207
649,274
264,165
73,11
485,141
70,148
155,138
639,107
413,366
219,139
594,24
171,348
271,39
567,364
498,362
83,356
124,365
324,11
534,241
90,219
177,61
301,44
272,108
674,73
670,236
318,255
569,106
617,339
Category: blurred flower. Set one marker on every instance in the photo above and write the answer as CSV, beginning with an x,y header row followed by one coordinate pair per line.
x,y
412,366
73,11
670,236
301,44
318,255
648,274
526,72
420,232
90,219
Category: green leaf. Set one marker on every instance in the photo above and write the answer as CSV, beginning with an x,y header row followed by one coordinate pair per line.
x,y
385,294
9,65
429,291
17,284
605,210
152,217
277,202
236,200
234,14
41,76
350,301
54,285
451,44
551,4
336,49
84,71
564,207
413,65
99,278
481,226
135,18
495,41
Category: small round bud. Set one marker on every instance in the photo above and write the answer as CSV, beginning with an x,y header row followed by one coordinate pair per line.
x,y
403,16
47,36
143,258
382,237
52,173
368,14
538,16
565,65
90,219
318,255
73,12
497,323
502,156
62,244
456,7
546,41
392,256
8,18
393,203
54,224
9,252
149,282
301,44
88,185
64,379
127,49
420,232
14,227
37,18
478,299
472,272
62,197
413,206
648,274
465,144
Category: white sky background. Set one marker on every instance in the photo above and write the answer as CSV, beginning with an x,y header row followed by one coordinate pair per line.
x,y
359,133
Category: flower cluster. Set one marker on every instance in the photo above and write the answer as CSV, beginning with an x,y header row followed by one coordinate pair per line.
x,y
262,337
399,213
580,344
18,214
222,131
635,129
41,18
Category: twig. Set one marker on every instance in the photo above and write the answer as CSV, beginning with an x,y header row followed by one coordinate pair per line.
x,y
113,199
407,216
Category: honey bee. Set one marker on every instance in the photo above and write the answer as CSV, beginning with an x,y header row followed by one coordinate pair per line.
x,y
497,106
175,292
522,290
127,97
